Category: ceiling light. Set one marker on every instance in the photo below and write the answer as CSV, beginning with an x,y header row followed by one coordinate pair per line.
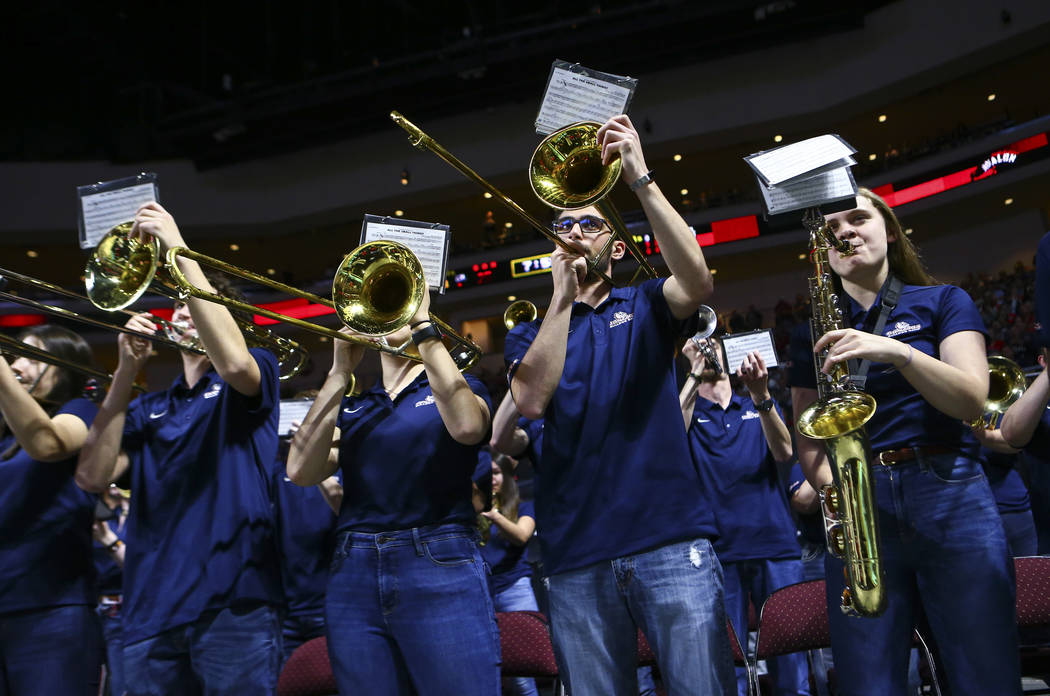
x,y
777,138
399,212
907,231
1008,201
235,247
677,158
882,118
714,271
872,157
801,257
991,97
487,194
511,298
404,177
508,225
684,192
32,254
271,271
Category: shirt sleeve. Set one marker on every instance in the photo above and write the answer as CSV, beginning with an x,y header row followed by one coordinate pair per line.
x,y
516,345
958,313
269,382
134,420
526,508
479,388
653,289
795,479
84,409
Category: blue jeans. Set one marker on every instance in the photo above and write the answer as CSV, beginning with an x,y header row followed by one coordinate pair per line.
x,y
111,634
754,581
519,597
673,593
234,651
57,650
409,612
943,553
1020,532
297,629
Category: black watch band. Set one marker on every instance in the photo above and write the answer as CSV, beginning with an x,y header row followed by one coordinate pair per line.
x,y
426,333
765,406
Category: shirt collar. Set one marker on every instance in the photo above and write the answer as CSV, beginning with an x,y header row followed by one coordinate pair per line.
x,y
180,387
615,295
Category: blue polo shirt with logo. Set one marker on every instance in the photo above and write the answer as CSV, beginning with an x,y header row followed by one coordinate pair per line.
x,y
201,529
923,317
401,467
737,469
305,530
615,476
45,528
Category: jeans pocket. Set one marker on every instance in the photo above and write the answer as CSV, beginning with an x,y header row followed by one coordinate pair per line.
x,y
952,469
452,551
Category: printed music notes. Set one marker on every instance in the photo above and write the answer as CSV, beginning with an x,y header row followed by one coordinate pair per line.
x,y
806,174
107,204
575,93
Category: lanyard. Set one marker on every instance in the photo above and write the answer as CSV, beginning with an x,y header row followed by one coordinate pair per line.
x,y
891,292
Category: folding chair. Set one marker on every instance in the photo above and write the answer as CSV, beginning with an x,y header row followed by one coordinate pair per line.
x,y
792,619
525,642
1033,616
308,671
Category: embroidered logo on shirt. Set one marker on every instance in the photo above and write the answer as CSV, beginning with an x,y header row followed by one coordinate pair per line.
x,y
750,415
902,327
425,402
155,416
620,318
213,391
354,410
703,420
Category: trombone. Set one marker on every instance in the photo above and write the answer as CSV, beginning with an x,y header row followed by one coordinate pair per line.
x,y
518,312
566,172
123,268
376,290
1006,384
22,349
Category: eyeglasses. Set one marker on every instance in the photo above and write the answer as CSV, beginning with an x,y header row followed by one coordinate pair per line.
x,y
590,224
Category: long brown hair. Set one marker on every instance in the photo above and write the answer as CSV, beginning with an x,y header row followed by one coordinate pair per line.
x,y
904,259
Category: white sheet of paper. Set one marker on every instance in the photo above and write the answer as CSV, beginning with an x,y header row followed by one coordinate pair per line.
x,y
797,159
105,210
289,412
572,97
737,346
829,186
428,244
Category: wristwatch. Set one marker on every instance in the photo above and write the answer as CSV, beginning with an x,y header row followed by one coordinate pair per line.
x,y
427,333
643,180
765,406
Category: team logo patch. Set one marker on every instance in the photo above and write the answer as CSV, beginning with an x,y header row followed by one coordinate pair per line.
x,y
750,415
902,327
425,402
213,391
620,318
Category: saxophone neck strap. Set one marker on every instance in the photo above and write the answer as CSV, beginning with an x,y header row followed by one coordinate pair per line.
x,y
891,293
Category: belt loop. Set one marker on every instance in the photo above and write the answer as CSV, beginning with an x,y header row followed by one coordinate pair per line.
x,y
417,542
344,543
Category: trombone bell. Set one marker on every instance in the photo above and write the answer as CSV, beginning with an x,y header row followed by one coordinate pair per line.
x,y
121,269
378,287
518,312
566,170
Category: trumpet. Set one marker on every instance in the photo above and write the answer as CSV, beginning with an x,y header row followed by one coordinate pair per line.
x,y
565,172
376,290
708,324
518,312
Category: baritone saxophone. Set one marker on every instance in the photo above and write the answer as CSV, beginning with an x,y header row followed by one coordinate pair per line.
x,y
837,418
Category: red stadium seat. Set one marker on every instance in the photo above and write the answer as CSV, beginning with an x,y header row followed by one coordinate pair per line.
x,y
308,671
1033,616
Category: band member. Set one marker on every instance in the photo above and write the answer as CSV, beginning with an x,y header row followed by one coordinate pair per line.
x,y
619,505
202,586
938,521
50,639
408,606
110,533
736,443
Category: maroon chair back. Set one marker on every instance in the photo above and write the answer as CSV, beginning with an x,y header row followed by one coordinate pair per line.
x,y
525,641
308,671
794,618
1033,590
646,656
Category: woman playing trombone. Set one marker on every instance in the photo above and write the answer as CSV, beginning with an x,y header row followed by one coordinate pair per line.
x,y
50,639
408,608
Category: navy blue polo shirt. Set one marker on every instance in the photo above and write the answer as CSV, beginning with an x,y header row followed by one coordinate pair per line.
x,y
1037,452
201,530
305,530
401,467
615,476
1011,495
740,476
506,559
45,528
534,429
924,316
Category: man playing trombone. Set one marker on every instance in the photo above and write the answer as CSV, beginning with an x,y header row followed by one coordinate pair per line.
x,y
202,586
624,528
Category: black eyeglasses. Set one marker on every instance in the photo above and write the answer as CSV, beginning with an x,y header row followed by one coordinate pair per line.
x,y
591,224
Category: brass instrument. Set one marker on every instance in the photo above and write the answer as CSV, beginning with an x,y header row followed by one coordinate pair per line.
x,y
123,268
22,349
172,337
1006,384
707,326
376,290
838,418
566,172
518,312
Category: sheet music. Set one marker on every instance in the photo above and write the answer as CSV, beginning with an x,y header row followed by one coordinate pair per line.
x,y
833,185
104,210
735,348
797,160
428,241
289,412
576,94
